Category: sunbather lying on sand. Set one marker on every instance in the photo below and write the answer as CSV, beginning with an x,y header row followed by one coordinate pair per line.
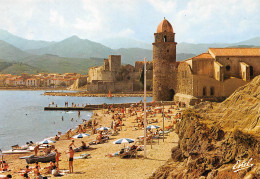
x,y
82,147
115,154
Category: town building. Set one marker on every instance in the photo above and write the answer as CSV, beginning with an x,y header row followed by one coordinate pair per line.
x,y
51,80
213,75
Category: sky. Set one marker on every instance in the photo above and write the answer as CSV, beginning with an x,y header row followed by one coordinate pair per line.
x,y
195,21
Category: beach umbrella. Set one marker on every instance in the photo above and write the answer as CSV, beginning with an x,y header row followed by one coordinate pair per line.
x,y
124,141
153,127
47,141
80,136
103,129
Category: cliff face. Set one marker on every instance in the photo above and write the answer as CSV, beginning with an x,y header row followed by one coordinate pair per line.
x,y
214,137
241,110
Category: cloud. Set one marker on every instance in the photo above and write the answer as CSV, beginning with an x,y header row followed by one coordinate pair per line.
x,y
126,33
164,6
56,18
208,21
192,20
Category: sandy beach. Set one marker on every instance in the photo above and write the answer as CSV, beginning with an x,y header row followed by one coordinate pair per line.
x,y
101,166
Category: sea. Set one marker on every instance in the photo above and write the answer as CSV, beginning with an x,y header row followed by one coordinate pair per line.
x,y
23,119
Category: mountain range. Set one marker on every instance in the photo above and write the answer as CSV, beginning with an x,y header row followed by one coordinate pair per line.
x,y
77,55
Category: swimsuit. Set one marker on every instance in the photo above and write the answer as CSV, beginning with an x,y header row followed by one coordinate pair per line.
x,y
71,159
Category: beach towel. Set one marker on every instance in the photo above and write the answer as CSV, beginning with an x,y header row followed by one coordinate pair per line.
x,y
82,156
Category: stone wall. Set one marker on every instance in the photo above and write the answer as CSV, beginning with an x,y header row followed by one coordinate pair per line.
x,y
114,62
245,71
203,67
94,73
232,66
106,65
219,89
185,79
104,87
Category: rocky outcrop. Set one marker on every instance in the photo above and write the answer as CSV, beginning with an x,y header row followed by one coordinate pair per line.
x,y
241,110
80,82
215,140
209,151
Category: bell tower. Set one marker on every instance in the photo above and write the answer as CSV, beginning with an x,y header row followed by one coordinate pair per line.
x,y
164,59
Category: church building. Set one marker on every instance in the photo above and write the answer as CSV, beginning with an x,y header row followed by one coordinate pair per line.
x,y
213,75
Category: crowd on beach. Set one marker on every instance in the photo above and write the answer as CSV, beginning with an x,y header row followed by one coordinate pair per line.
x,y
118,116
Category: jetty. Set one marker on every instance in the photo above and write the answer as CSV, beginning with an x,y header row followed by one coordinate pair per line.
x,y
105,106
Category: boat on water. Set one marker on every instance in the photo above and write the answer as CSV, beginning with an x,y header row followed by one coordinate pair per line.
x,y
109,95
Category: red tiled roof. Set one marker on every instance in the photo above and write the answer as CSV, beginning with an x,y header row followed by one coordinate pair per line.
x,y
203,56
235,51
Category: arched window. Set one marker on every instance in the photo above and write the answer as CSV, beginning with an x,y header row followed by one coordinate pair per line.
x,y
204,91
165,38
212,91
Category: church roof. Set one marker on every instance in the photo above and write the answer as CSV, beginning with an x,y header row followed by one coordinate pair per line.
x,y
164,26
234,51
203,56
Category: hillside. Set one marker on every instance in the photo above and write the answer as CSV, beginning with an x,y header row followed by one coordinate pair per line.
x,y
4,64
17,68
22,43
130,55
52,63
75,47
184,47
10,53
122,42
253,41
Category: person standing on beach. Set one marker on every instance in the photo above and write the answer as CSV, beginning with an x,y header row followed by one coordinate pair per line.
x,y
71,154
68,133
57,157
72,143
36,148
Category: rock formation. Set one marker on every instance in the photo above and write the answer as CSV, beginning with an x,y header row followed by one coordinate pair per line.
x,y
214,138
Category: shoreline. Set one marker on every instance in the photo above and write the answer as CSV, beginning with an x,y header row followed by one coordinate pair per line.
x,y
86,167
33,89
84,94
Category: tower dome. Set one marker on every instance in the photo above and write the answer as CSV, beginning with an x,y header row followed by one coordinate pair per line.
x,y
164,26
